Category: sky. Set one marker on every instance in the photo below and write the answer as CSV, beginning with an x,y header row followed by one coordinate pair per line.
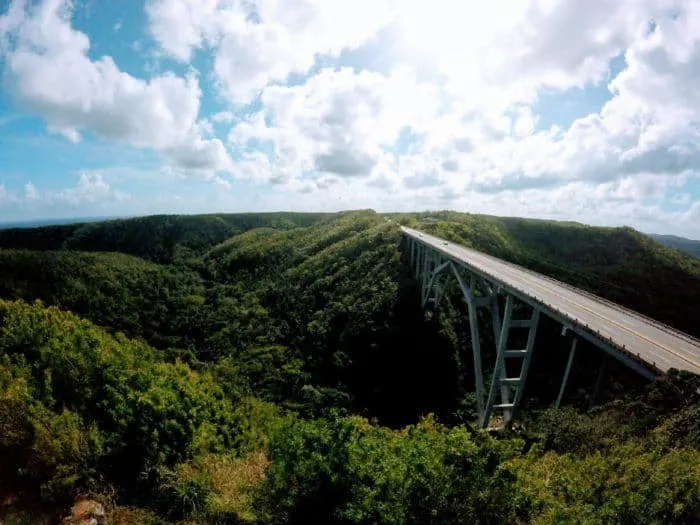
x,y
560,109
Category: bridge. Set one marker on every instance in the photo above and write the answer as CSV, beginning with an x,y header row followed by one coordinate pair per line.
x,y
640,343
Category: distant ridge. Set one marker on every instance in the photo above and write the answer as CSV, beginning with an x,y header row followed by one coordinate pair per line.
x,y
35,223
689,246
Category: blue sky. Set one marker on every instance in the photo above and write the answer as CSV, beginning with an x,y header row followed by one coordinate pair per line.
x,y
555,110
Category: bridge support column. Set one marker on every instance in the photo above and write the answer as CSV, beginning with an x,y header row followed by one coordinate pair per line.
x,y
425,270
499,378
439,283
529,347
599,381
414,255
420,259
431,280
468,293
420,262
565,379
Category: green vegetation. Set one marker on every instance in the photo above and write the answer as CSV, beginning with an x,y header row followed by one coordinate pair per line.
x,y
277,368
688,246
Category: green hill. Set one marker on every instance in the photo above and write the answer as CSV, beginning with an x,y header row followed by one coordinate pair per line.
x,y
159,238
689,246
278,368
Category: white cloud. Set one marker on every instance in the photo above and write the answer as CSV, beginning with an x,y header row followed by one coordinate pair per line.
x,y
326,181
338,122
222,116
645,139
90,190
682,199
261,41
30,192
487,145
181,26
200,155
49,69
223,183
383,180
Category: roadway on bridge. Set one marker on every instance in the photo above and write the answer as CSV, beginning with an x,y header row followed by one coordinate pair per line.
x,y
656,344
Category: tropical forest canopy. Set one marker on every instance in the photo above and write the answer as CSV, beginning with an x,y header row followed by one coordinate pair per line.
x,y
278,368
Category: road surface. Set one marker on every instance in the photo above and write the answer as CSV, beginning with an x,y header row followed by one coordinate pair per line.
x,y
656,344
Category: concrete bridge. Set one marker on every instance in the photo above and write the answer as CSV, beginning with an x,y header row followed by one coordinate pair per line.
x,y
642,344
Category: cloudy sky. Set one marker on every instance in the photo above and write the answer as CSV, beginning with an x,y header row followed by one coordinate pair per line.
x,y
584,110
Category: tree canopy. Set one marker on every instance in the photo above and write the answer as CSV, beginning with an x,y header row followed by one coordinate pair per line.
x,y
278,368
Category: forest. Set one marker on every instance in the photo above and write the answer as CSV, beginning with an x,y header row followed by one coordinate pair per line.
x,y
278,368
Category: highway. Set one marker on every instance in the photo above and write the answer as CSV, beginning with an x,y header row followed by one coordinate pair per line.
x,y
658,345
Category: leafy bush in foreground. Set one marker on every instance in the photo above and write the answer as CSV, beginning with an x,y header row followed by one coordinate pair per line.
x,y
75,397
344,470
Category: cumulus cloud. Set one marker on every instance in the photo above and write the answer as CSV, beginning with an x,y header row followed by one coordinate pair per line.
x,y
327,181
222,116
645,138
338,123
447,116
90,190
51,73
499,52
351,124
223,183
256,42
30,192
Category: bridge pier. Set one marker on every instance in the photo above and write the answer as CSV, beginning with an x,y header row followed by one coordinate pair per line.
x,y
499,379
565,379
468,294
599,381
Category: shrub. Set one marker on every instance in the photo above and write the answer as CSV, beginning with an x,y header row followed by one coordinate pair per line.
x,y
346,470
107,397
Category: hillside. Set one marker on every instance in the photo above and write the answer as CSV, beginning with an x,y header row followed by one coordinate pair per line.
x,y
278,368
159,238
689,246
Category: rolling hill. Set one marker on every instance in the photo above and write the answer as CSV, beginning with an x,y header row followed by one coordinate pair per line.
x,y
688,246
278,368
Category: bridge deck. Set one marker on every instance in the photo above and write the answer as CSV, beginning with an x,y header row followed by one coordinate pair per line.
x,y
656,344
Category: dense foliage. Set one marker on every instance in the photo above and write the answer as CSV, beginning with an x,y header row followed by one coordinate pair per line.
x,y
278,368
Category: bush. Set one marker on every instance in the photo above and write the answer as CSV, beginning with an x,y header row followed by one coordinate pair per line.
x,y
183,493
42,453
625,484
346,470
88,395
